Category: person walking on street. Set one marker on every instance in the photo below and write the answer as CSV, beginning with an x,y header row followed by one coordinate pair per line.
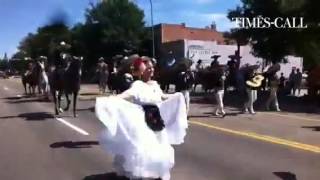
x,y
273,98
297,82
219,91
184,84
141,125
291,81
253,83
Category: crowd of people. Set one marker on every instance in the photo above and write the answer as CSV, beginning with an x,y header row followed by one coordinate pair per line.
x,y
221,75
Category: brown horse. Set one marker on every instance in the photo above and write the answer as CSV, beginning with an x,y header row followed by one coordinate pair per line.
x,y
31,78
66,80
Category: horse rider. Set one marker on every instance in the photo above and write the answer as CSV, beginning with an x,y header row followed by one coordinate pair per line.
x,y
171,60
215,63
199,65
103,74
29,69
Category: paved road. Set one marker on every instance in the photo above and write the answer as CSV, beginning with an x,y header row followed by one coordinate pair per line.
x,y
269,146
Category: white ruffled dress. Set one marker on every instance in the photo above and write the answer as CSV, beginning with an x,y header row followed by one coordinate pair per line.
x,y
138,151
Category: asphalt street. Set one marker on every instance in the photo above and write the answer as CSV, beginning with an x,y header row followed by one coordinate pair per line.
x,y
35,145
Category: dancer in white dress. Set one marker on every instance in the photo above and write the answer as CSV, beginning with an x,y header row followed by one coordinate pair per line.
x,y
140,152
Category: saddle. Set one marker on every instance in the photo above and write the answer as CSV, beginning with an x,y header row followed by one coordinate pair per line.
x,y
153,117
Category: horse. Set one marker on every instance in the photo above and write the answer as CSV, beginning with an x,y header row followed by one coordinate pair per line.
x,y
31,78
103,74
43,82
209,77
167,75
66,80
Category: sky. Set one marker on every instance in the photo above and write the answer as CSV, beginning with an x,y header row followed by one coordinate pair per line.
x,y
20,17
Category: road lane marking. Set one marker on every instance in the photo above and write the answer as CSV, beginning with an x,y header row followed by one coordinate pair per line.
x,y
79,130
270,139
295,117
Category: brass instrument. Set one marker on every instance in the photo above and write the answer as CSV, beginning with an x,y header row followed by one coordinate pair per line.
x,y
256,81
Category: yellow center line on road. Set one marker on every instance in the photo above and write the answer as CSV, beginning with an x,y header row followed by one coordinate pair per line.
x,y
293,116
270,139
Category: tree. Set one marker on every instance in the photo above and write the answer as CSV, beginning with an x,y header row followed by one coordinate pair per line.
x,y
112,26
45,41
274,44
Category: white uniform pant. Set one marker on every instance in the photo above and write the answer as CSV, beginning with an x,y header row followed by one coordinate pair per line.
x,y
219,99
186,94
273,98
252,97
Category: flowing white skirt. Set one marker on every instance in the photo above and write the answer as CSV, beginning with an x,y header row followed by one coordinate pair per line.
x,y
140,152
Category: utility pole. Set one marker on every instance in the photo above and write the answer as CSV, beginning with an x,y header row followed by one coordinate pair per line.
x,y
152,28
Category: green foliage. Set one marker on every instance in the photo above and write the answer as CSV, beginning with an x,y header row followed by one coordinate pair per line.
x,y
110,27
274,44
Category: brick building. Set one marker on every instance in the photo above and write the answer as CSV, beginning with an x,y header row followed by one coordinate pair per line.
x,y
197,43
170,36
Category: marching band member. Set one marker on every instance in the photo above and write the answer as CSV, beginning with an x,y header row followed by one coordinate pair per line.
x,y
184,84
219,91
141,125
274,85
253,82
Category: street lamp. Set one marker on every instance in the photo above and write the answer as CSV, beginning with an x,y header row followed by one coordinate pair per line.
x,y
153,48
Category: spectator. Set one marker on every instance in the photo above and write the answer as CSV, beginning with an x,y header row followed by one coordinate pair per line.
x,y
297,82
291,80
282,81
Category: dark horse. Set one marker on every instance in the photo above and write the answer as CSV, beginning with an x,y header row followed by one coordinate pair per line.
x,y
66,80
31,78
169,75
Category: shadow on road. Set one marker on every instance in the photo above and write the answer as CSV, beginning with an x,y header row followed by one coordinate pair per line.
x,y
27,101
89,94
17,97
36,116
106,176
286,175
74,145
91,109
199,116
314,128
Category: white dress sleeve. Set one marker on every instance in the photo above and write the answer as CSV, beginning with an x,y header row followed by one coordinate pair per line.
x,y
132,92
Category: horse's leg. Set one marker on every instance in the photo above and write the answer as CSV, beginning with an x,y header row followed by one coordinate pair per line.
x,y
68,101
53,92
39,88
31,90
75,95
29,87
59,102
25,88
